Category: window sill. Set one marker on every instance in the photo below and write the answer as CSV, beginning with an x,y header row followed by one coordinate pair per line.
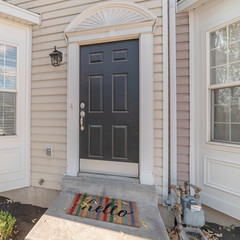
x,y
233,148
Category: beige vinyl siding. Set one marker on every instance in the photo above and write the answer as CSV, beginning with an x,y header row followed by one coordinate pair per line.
x,y
49,87
183,106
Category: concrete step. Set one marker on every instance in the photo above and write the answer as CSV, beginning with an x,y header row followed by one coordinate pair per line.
x,y
55,224
115,188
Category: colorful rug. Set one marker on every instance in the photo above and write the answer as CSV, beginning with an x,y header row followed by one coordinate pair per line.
x,y
105,209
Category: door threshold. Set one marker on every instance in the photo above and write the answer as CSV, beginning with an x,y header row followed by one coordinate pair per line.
x,y
104,167
110,177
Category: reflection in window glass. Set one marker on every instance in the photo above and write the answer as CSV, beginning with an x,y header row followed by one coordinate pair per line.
x,y
226,114
8,79
234,52
225,70
234,32
218,38
225,54
7,113
234,72
8,67
219,57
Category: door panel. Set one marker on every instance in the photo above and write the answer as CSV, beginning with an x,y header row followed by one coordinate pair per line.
x,y
14,119
109,88
95,94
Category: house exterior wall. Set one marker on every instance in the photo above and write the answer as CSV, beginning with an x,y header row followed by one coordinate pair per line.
x,y
49,88
183,100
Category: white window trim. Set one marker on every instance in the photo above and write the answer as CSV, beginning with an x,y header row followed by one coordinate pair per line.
x,y
137,30
209,87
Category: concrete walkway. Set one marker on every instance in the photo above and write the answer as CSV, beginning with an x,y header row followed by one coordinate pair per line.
x,y
55,224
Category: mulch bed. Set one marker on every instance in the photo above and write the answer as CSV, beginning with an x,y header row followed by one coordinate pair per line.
x,y
26,216
222,232
212,231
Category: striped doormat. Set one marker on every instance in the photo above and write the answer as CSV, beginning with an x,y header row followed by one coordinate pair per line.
x,y
105,209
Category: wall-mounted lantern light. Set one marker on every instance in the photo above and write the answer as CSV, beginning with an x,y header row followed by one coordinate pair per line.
x,y
56,57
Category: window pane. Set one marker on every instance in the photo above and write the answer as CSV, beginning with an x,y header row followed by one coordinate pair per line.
x,y
1,67
1,50
234,52
218,38
10,52
7,113
225,54
236,96
222,113
234,72
222,96
8,67
235,132
10,82
1,79
219,56
234,32
235,114
221,132
219,75
225,69
226,116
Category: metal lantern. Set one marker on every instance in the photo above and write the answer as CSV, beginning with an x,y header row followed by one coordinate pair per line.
x,y
56,57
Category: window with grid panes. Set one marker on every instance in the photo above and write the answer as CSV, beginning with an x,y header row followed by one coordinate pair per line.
x,y
225,84
8,79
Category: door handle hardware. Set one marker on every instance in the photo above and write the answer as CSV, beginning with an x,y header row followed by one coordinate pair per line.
x,y
82,105
82,115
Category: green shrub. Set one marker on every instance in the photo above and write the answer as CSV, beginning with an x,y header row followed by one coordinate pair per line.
x,y
6,224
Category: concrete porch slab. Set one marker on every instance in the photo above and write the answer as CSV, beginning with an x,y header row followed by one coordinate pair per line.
x,y
55,224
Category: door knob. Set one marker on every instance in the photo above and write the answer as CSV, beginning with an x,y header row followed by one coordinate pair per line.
x,y
82,115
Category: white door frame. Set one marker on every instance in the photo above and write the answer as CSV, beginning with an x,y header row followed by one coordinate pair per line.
x,y
139,27
199,144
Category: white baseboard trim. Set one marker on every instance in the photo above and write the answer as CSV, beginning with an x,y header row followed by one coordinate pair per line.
x,y
221,205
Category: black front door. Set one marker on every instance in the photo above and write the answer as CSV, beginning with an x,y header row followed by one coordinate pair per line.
x,y
109,101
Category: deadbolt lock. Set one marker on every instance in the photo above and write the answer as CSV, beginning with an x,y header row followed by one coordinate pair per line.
x,y
82,105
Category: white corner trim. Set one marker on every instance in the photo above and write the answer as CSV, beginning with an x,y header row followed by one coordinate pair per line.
x,y
28,17
28,71
192,156
72,168
146,106
165,99
173,95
